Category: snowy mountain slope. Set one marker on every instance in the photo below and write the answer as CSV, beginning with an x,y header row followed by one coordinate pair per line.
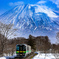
x,y
30,19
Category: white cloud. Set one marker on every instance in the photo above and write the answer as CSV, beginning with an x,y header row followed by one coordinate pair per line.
x,y
57,11
41,2
16,3
46,10
56,2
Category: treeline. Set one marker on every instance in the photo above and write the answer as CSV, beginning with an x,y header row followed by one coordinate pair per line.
x,y
39,43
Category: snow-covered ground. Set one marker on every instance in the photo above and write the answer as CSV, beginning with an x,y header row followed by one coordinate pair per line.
x,y
39,56
46,56
7,57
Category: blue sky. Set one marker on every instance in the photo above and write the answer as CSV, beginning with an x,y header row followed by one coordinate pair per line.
x,y
6,5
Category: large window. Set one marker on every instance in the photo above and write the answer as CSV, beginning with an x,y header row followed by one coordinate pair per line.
x,y
21,48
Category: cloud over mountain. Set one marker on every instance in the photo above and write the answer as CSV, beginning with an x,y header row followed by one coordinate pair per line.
x,y
16,3
41,2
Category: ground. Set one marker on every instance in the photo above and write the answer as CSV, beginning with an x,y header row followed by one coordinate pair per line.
x,y
46,56
40,56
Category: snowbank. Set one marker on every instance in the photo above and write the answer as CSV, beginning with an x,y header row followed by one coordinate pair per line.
x,y
4,57
7,57
44,56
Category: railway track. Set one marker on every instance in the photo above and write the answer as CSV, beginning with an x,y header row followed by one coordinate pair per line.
x,y
56,55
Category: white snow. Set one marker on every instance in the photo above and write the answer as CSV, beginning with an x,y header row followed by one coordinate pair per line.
x,y
39,56
45,9
7,57
44,56
35,28
2,58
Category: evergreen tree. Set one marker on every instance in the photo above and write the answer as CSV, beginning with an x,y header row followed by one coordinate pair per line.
x,y
31,42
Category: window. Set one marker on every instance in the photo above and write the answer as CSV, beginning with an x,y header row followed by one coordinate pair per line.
x,y
17,48
24,48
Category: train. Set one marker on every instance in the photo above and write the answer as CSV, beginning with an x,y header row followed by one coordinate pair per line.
x,y
22,50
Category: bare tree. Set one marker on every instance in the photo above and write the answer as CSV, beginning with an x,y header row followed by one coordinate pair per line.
x,y
8,31
2,44
57,37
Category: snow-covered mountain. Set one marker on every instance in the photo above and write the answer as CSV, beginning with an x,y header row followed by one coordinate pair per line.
x,y
26,18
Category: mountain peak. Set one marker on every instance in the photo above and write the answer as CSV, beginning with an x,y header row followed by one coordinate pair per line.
x,y
25,18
